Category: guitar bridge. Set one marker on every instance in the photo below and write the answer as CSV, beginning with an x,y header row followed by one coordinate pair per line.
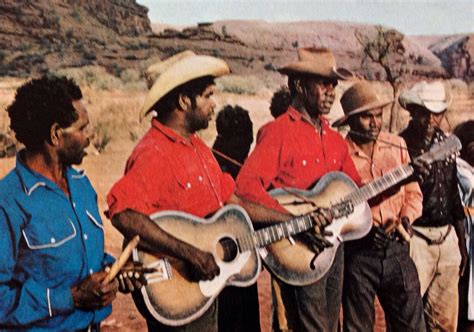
x,y
162,271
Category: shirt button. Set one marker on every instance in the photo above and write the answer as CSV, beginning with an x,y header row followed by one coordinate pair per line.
x,y
188,185
324,132
200,178
304,162
85,236
53,240
73,205
317,160
91,272
334,161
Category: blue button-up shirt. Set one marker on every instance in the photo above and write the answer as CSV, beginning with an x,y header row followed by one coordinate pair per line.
x,y
49,242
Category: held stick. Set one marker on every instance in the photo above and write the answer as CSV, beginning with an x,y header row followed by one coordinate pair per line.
x,y
123,258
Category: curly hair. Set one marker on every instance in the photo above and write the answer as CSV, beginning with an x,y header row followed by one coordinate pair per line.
x,y
39,104
233,121
235,135
281,99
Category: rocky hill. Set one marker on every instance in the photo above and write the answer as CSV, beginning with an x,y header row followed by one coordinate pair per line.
x,y
41,35
37,35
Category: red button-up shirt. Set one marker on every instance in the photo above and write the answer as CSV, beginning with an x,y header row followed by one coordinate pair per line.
x,y
168,172
290,152
407,202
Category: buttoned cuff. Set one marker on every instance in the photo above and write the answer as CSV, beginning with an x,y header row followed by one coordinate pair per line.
x,y
59,301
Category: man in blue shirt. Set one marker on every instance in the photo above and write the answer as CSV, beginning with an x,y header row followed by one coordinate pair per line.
x,y
51,235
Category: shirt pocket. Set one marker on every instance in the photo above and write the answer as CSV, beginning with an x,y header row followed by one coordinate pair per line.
x,y
45,234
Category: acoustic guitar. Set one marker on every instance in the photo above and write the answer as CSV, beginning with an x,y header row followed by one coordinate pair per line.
x,y
230,237
292,261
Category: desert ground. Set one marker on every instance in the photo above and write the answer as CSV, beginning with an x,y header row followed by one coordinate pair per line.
x,y
114,115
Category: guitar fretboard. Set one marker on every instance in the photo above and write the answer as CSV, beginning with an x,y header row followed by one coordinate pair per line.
x,y
274,233
379,185
277,232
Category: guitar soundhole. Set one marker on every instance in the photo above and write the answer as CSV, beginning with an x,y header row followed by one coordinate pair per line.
x,y
227,249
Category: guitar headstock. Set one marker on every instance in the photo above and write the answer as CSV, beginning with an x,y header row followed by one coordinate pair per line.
x,y
446,149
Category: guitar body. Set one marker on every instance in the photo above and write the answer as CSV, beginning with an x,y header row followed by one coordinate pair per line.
x,y
183,299
292,262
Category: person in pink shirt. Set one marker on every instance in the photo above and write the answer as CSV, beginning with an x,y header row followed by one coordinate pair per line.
x,y
379,263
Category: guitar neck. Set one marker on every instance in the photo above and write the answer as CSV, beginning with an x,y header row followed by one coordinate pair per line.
x,y
379,185
277,232
274,233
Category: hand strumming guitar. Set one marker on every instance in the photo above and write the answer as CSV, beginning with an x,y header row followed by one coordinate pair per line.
x,y
204,265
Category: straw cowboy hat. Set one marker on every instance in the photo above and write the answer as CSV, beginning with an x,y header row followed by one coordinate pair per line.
x,y
318,62
359,98
431,96
177,70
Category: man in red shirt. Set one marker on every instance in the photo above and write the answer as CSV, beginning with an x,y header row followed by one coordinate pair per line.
x,y
172,169
296,150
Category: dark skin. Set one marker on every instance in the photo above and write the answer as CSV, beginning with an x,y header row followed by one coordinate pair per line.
x,y
66,146
427,121
186,120
315,96
369,124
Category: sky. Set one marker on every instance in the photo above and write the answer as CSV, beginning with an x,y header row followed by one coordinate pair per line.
x,y
411,17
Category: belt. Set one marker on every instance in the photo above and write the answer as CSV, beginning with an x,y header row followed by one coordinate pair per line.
x,y
432,242
95,327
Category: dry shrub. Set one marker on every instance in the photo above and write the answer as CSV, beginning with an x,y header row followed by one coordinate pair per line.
x,y
248,85
101,136
95,77
116,113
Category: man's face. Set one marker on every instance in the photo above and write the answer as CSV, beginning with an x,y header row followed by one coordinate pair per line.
x,y
425,121
319,95
368,123
75,138
199,116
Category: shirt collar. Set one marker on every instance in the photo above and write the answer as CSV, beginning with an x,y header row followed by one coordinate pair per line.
x,y
377,146
169,133
294,115
32,180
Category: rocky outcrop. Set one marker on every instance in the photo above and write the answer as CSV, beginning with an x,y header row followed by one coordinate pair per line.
x,y
40,35
456,54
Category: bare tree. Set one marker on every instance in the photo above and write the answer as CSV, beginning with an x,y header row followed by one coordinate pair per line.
x,y
386,49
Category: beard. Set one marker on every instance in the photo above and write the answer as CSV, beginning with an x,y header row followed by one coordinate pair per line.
x,y
72,154
196,121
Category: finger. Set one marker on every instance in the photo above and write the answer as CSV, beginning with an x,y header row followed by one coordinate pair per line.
x,y
137,284
129,284
122,282
111,287
323,240
327,233
390,227
108,299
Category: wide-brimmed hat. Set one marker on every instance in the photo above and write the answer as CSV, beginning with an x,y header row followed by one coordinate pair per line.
x,y
359,98
431,96
177,70
318,62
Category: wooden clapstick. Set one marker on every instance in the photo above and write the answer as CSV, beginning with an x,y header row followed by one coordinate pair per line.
x,y
123,258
